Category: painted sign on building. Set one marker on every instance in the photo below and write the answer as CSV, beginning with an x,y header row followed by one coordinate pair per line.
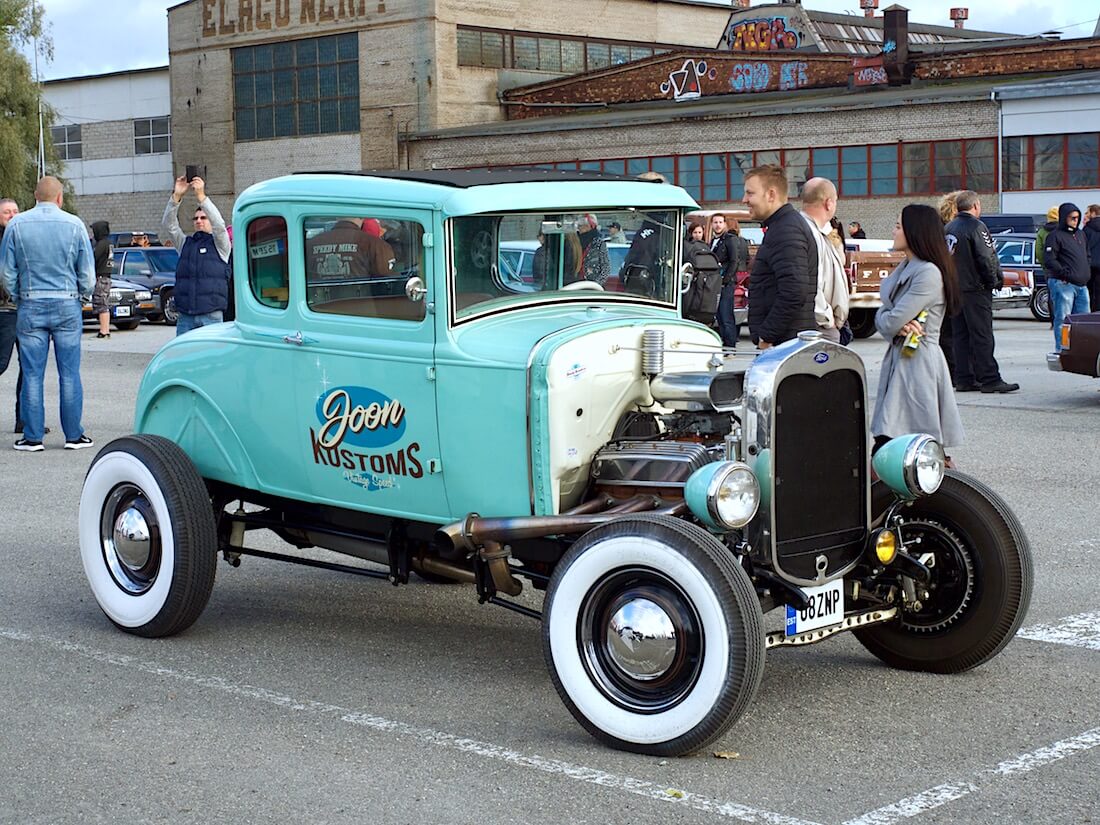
x,y
767,34
221,17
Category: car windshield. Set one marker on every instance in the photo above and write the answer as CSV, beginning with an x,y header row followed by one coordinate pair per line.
x,y
517,259
162,260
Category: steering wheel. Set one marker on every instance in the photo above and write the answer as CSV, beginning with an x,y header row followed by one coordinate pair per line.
x,y
481,249
576,286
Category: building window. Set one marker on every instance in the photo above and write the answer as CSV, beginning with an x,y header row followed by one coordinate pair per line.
x,y
66,140
494,49
853,172
297,87
884,170
916,168
948,165
152,135
1052,162
1083,162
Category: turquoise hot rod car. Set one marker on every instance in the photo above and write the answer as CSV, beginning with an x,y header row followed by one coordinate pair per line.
x,y
568,434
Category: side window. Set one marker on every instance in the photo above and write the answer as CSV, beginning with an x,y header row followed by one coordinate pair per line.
x,y
1029,252
359,266
135,265
268,273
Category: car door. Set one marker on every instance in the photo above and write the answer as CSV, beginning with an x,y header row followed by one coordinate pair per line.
x,y
365,365
135,268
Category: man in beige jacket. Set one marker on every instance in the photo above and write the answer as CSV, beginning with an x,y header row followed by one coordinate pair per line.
x,y
819,199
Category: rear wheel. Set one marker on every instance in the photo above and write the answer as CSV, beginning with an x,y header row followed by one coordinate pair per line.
x,y
982,576
147,535
862,322
653,635
1040,303
168,302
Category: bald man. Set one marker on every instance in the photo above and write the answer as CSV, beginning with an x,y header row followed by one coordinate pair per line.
x,y
819,200
46,264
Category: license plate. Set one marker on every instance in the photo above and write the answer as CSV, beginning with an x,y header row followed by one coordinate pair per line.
x,y
122,312
826,608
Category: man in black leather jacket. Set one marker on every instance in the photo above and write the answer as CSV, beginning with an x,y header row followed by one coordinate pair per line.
x,y
979,272
784,275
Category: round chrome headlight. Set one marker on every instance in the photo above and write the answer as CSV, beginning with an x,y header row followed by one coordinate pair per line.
x,y
924,466
733,496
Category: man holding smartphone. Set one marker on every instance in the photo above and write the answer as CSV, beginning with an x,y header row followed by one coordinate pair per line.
x,y
202,275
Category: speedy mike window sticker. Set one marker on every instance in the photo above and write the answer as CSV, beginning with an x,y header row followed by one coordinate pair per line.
x,y
355,425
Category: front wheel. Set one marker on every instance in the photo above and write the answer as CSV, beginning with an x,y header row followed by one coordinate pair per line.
x,y
653,635
148,539
982,576
1040,304
127,325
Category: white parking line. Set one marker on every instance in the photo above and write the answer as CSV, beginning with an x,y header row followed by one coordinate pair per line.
x,y
435,738
1081,630
925,801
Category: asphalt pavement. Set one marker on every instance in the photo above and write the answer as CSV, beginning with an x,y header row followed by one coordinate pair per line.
x,y
303,696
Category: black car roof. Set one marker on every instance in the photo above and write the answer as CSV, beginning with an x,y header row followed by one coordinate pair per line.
x,y
467,178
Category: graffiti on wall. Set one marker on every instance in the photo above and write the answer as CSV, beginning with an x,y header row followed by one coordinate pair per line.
x,y
767,34
792,75
757,77
871,76
685,83
750,77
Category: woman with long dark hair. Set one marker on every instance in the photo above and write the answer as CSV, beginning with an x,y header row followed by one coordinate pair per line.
x,y
914,391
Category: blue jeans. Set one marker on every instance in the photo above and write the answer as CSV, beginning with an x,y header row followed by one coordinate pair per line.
x,y
727,326
1065,299
186,322
41,320
7,344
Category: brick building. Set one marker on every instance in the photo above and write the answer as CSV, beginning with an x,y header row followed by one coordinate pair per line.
x,y
894,111
114,134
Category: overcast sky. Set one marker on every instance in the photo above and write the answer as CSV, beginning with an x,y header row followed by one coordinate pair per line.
x,y
89,39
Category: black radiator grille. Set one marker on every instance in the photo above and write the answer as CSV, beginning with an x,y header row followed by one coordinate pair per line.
x,y
819,466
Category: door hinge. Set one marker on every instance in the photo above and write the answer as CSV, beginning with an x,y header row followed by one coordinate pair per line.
x,y
434,466
428,240
431,373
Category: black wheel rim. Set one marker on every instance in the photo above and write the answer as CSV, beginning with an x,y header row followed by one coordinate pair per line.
x,y
953,587
130,538
641,640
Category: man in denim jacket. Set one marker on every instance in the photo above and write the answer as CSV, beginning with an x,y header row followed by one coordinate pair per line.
x,y
46,264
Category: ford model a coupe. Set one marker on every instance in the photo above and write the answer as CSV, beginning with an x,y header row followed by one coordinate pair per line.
x,y
565,431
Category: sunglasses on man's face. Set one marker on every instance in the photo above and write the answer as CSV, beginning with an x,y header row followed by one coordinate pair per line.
x,y
200,218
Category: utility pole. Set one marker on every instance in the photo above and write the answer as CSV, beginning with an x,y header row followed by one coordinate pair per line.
x,y
41,129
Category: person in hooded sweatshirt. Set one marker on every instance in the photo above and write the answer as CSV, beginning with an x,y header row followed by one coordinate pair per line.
x,y
1066,261
1044,230
1092,241
104,257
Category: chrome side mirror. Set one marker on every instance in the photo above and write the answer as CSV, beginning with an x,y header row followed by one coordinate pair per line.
x,y
414,289
687,275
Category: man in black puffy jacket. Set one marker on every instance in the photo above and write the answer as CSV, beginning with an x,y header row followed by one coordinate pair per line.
x,y
783,282
979,272
1066,261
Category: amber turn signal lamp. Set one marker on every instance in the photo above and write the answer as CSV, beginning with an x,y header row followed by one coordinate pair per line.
x,y
886,546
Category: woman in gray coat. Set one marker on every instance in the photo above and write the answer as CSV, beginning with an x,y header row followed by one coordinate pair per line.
x,y
914,390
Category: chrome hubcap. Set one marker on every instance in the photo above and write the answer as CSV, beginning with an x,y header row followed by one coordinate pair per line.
x,y
641,640
130,539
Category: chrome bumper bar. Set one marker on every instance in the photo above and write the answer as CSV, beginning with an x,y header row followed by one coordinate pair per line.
x,y
862,619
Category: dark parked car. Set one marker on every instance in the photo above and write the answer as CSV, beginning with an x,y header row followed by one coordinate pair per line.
x,y
128,304
998,224
126,238
153,267
1080,346
1016,251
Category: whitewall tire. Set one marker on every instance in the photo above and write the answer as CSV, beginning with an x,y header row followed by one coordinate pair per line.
x,y
148,540
653,635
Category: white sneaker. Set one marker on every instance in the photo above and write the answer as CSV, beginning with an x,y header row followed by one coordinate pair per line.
x,y
28,446
79,444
